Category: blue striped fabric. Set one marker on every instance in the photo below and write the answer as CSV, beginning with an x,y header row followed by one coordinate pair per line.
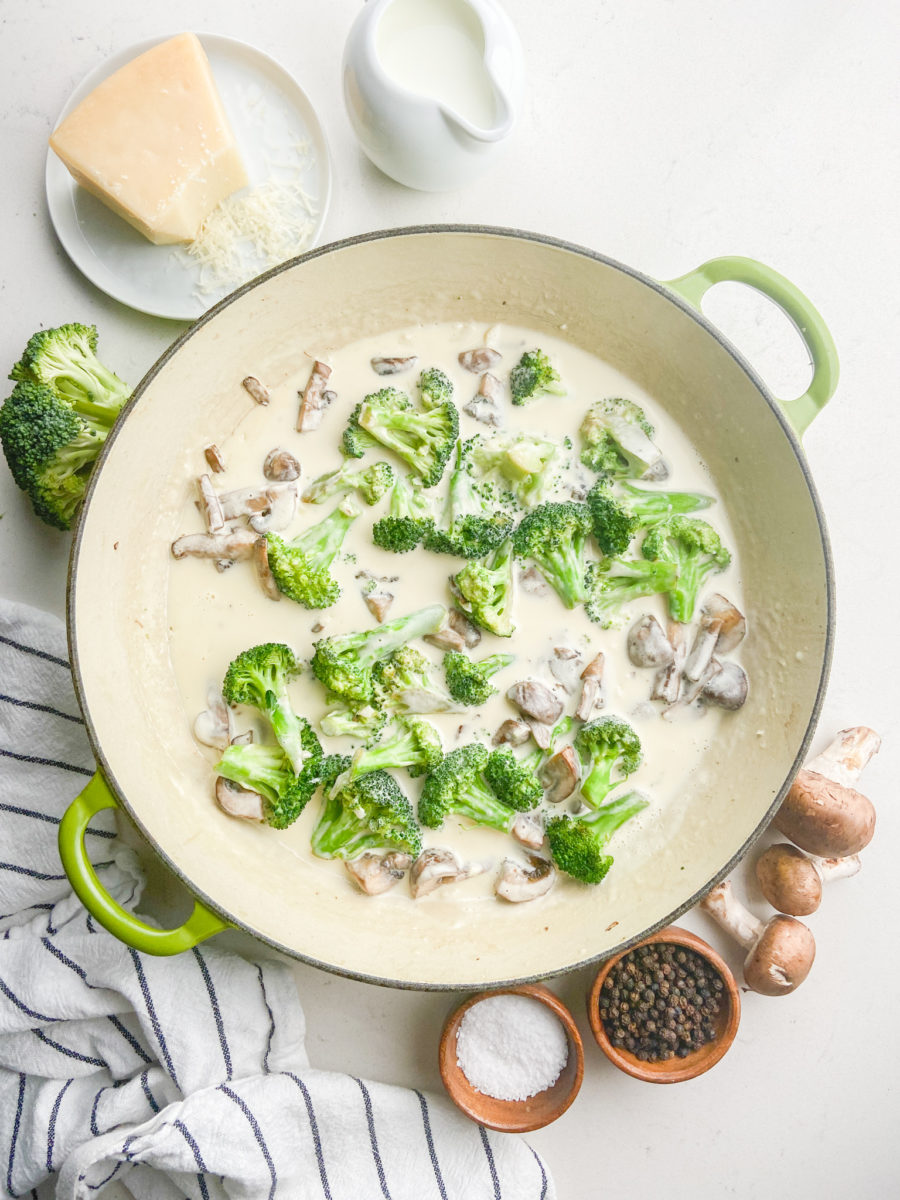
x,y
182,1076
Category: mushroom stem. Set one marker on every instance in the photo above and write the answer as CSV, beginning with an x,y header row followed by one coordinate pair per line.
x,y
210,505
780,952
667,684
592,680
314,399
847,756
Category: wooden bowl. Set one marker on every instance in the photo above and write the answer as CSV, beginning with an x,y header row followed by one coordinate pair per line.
x,y
513,1116
672,1070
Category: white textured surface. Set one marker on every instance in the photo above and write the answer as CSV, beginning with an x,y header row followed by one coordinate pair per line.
x,y
661,134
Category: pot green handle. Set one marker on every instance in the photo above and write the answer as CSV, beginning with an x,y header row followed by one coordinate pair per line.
x,y
201,924
807,319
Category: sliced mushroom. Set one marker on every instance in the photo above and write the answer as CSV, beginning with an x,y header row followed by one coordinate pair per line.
x,y
210,505
243,739
393,366
229,545
269,509
695,687
512,733
213,456
732,623
533,582
263,570
657,472
435,867
541,732
535,700
728,687
257,390
314,400
378,873
780,951
560,775
565,667
592,682
237,801
528,828
667,684
517,883
281,466
446,639
467,630
648,646
213,726
479,360
378,604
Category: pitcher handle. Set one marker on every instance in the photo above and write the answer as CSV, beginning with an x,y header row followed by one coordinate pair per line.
x,y
201,924
800,411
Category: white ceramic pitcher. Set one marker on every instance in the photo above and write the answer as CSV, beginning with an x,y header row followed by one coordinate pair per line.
x,y
432,87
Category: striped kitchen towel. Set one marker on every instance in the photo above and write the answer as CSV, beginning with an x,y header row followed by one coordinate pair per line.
x,y
170,1077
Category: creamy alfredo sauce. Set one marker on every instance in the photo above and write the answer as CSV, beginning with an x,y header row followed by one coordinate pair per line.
x,y
212,616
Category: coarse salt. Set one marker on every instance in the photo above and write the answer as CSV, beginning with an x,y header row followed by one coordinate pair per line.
x,y
511,1047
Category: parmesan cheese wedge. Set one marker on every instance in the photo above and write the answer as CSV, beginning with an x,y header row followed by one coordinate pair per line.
x,y
153,142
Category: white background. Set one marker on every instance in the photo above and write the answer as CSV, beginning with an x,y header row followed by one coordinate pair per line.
x,y
661,134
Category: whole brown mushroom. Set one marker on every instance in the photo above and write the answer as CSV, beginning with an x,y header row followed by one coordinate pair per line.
x,y
823,813
792,882
780,951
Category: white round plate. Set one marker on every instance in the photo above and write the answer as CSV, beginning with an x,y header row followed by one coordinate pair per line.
x,y
271,116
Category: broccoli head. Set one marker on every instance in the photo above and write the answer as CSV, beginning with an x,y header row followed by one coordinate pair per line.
x,y
423,439
467,681
607,747
533,376
259,677
405,684
615,582
456,787
365,723
369,813
577,844
268,771
435,388
523,461
617,518
409,519
343,663
413,745
302,568
617,439
472,525
554,535
65,360
513,780
694,551
485,591
371,483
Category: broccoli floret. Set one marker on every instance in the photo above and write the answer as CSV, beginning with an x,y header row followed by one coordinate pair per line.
x,y
554,535
606,746
467,681
435,388
617,439
694,550
615,582
523,462
371,483
534,376
259,677
423,439
513,780
302,568
268,771
343,663
414,746
370,813
577,843
65,360
617,518
405,684
485,591
365,723
473,526
456,786
409,519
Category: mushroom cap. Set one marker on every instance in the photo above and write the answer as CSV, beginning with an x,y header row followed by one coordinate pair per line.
x,y
825,818
789,880
781,959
